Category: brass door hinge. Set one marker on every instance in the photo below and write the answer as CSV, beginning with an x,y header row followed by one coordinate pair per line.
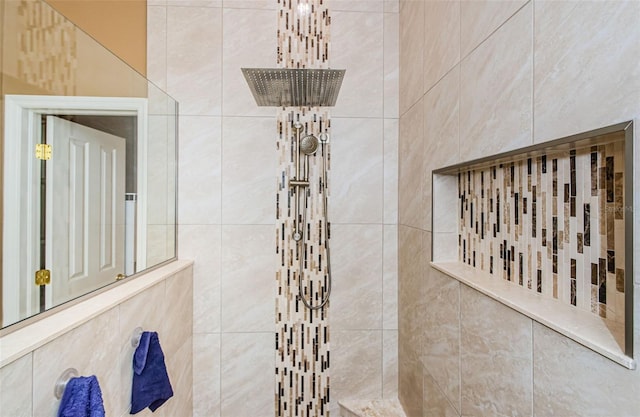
x,y
43,277
43,151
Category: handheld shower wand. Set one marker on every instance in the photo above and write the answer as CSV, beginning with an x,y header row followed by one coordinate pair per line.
x,y
308,145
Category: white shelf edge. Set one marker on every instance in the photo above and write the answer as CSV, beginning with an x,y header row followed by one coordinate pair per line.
x,y
581,326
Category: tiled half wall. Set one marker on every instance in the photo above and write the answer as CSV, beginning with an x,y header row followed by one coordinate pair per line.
x,y
552,223
302,335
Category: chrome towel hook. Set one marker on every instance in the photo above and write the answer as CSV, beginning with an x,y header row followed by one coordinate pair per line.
x,y
63,379
135,337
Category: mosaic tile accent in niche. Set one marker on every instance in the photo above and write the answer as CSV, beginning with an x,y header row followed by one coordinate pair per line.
x,y
302,336
553,224
47,50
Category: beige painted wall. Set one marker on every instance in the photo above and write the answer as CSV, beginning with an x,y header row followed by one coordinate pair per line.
x,y
120,25
478,78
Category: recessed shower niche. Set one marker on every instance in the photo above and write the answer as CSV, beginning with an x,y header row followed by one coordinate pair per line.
x,y
547,230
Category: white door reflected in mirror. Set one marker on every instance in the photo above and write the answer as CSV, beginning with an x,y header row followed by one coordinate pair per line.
x,y
85,208
102,208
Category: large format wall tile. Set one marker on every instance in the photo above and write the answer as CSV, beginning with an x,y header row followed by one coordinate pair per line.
x,y
410,379
357,48
496,363
586,66
181,380
571,380
248,166
479,18
441,39
78,349
144,311
390,162
356,255
390,277
101,346
249,41
435,403
391,64
356,175
411,84
411,260
355,368
411,254
206,375
441,350
202,244
194,59
159,152
179,292
248,361
496,91
16,388
390,364
441,133
357,5
248,284
411,168
200,170
441,125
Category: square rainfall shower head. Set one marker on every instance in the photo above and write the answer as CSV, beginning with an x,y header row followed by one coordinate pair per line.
x,y
302,87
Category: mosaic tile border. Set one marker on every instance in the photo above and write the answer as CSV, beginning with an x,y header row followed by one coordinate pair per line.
x,y
302,337
533,222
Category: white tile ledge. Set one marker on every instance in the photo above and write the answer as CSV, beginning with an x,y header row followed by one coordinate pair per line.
x,y
29,338
581,326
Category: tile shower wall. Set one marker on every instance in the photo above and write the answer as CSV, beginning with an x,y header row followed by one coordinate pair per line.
x,y
102,346
227,212
479,78
553,224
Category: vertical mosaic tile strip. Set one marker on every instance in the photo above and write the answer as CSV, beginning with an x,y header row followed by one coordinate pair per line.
x,y
303,34
553,224
302,336
47,51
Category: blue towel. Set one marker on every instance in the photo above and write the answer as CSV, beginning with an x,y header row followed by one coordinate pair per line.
x,y
151,386
82,398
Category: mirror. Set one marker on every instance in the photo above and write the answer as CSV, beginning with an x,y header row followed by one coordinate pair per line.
x,y
89,164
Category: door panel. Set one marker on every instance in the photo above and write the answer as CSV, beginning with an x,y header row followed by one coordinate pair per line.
x,y
111,208
78,209
85,245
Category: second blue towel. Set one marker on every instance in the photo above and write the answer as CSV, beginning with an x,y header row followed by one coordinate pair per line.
x,y
151,385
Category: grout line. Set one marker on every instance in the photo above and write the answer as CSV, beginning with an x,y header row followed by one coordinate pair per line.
x,y
492,32
439,388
